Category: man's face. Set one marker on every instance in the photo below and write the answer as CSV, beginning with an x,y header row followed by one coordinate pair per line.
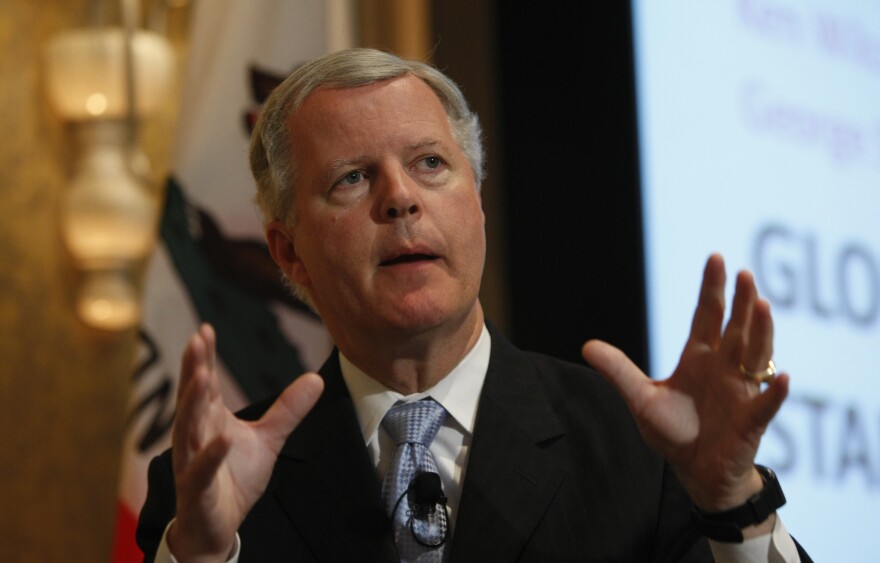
x,y
389,231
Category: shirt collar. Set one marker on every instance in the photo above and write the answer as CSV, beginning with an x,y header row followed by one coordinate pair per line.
x,y
458,392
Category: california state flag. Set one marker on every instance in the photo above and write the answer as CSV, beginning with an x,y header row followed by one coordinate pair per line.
x,y
211,264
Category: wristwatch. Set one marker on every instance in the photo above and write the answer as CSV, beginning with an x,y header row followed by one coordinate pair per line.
x,y
727,526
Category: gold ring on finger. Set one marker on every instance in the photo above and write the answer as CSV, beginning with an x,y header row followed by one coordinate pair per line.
x,y
762,376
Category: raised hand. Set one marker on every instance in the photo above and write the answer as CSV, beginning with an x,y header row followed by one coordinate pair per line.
x,y
221,463
707,418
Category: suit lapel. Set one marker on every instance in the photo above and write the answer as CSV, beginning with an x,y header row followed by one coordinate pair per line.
x,y
327,485
329,490
510,480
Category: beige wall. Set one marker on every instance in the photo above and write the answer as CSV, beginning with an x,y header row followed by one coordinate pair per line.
x,y
63,387
400,26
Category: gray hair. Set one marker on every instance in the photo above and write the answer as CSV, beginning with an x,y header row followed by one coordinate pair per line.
x,y
271,156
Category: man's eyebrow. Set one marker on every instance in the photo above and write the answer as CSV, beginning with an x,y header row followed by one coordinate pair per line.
x,y
339,163
426,143
334,165
331,172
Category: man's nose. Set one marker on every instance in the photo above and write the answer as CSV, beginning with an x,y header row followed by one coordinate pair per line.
x,y
399,198
394,212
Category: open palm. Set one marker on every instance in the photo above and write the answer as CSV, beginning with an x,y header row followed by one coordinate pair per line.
x,y
222,463
707,418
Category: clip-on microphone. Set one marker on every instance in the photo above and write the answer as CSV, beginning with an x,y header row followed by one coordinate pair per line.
x,y
428,492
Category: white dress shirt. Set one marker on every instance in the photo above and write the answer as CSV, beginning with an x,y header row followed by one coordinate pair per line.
x,y
458,393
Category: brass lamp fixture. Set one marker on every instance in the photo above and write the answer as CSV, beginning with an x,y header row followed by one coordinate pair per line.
x,y
103,80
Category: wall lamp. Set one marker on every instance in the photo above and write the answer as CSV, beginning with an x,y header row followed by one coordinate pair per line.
x,y
103,81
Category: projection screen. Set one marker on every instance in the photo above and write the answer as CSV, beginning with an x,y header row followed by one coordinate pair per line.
x,y
759,128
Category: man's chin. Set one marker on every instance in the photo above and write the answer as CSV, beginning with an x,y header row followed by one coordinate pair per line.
x,y
419,316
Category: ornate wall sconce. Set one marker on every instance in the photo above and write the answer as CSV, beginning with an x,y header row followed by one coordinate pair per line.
x,y
103,80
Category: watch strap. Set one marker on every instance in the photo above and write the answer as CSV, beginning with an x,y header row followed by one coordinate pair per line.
x,y
727,526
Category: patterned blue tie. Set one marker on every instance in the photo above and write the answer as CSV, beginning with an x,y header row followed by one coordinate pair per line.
x,y
413,427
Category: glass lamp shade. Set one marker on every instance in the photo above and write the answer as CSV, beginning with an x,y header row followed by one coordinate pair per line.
x,y
85,71
108,219
108,300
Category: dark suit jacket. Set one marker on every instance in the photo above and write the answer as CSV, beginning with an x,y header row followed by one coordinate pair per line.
x,y
557,472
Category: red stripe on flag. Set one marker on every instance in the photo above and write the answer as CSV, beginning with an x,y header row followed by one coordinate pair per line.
x,y
125,550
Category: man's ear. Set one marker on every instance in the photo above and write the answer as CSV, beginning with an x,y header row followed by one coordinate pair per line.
x,y
279,238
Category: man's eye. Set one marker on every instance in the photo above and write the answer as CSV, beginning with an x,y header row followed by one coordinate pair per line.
x,y
433,161
353,177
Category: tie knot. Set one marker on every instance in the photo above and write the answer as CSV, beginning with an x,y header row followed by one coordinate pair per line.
x,y
415,423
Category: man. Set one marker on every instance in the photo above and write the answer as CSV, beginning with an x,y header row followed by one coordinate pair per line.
x,y
368,170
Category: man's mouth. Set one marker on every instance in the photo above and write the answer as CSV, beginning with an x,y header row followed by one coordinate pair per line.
x,y
408,258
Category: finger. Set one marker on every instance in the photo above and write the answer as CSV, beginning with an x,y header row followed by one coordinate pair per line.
x,y
201,471
706,326
630,381
737,330
291,407
193,357
767,404
192,405
209,337
193,390
759,342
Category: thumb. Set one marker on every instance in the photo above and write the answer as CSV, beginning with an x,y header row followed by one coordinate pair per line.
x,y
291,407
619,370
